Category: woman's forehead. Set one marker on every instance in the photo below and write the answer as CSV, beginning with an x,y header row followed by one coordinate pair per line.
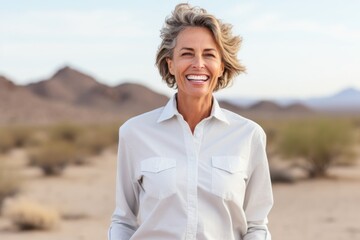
x,y
195,37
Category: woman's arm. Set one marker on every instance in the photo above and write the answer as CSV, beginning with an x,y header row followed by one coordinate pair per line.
x,y
258,195
123,222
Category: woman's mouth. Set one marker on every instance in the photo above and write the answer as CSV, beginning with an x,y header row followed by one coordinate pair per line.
x,y
197,78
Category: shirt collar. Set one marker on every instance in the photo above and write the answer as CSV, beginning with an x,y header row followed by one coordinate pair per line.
x,y
218,113
170,110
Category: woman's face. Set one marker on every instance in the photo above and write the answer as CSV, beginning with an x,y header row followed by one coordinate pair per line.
x,y
196,63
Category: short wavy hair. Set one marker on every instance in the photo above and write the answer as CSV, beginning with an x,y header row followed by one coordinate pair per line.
x,y
186,16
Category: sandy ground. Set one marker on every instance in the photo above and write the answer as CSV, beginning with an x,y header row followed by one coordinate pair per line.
x,y
327,209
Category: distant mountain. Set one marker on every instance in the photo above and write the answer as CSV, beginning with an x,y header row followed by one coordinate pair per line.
x,y
231,106
65,85
266,109
297,108
6,84
18,105
343,101
346,101
70,95
265,105
79,89
138,98
127,97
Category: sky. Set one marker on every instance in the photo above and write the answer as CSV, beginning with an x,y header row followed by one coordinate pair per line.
x,y
292,49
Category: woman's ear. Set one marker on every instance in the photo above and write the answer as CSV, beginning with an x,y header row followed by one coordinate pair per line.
x,y
170,65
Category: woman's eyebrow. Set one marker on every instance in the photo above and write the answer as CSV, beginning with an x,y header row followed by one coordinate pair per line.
x,y
186,49
191,49
210,49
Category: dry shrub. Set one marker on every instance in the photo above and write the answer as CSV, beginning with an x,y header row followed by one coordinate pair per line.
x,y
96,138
54,147
14,137
28,215
68,132
10,183
319,142
53,157
38,138
21,135
7,141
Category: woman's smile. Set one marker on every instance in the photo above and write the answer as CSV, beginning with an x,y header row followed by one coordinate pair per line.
x,y
197,78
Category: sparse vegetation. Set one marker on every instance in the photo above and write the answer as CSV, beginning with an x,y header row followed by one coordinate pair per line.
x,y
68,132
10,183
14,137
69,144
53,157
28,215
6,141
320,143
97,139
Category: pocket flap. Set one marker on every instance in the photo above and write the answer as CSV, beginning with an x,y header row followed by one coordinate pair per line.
x,y
157,164
231,164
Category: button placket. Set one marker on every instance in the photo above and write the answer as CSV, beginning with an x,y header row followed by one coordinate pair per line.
x,y
192,180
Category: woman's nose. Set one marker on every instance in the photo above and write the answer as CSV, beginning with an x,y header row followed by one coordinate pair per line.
x,y
198,62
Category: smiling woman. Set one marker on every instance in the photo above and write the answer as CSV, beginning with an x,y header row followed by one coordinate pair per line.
x,y
192,170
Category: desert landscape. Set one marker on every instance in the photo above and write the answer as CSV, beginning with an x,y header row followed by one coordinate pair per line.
x,y
74,199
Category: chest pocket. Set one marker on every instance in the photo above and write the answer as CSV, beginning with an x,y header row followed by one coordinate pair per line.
x,y
229,177
158,177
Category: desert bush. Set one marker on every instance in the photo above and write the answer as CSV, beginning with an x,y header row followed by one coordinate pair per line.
x,y
89,144
112,133
68,132
38,138
357,127
53,157
96,138
93,140
61,144
319,142
14,136
21,135
10,183
28,215
7,141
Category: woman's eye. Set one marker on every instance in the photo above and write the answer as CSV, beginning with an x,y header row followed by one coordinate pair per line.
x,y
210,55
186,54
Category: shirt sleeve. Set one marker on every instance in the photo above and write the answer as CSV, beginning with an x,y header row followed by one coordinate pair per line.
x,y
258,196
124,220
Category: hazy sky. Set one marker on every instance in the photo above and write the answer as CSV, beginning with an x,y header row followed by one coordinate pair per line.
x,y
290,48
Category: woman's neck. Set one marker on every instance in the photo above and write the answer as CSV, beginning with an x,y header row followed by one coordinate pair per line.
x,y
194,109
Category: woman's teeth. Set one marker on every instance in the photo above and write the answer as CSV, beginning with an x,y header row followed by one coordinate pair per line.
x,y
197,77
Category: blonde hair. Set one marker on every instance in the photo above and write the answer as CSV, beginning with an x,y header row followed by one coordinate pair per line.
x,y
186,16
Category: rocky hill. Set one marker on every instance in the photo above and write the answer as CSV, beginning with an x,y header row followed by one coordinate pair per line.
x,y
18,105
65,85
70,95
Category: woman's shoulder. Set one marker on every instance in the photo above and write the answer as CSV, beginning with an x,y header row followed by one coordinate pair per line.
x,y
144,119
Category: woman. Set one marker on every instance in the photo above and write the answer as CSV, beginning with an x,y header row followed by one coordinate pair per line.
x,y
192,170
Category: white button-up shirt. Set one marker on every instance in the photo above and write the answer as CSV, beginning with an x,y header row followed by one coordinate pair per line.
x,y
213,184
